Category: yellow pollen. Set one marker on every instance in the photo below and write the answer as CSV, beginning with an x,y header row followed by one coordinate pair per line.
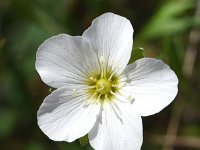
x,y
103,86
93,79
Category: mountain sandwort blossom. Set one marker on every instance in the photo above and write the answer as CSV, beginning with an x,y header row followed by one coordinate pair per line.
x,y
97,93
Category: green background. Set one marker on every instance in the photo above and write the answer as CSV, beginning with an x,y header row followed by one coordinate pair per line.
x,y
166,29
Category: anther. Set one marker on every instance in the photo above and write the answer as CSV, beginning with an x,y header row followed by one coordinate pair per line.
x,y
131,99
113,93
93,79
114,85
74,92
102,60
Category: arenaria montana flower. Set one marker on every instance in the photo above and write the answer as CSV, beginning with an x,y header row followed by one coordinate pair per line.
x,y
97,92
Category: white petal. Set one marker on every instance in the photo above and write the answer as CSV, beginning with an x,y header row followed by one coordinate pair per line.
x,y
112,37
65,59
152,83
64,116
117,128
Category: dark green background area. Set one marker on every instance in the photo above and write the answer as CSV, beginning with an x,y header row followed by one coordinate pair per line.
x,y
166,29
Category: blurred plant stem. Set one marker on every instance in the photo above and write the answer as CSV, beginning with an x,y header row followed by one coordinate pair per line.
x,y
187,69
191,51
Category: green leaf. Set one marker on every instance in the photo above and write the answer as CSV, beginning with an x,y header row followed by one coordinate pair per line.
x,y
84,140
169,20
136,54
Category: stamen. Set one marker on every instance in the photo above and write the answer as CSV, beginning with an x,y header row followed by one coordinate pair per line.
x,y
106,96
102,65
111,76
121,85
114,85
93,79
74,92
102,60
113,93
92,87
98,98
93,95
131,99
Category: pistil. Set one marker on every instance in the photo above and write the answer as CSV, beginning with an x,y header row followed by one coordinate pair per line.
x,y
103,86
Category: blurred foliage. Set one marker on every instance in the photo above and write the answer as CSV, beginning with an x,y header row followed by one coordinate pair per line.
x,y
162,27
136,54
170,19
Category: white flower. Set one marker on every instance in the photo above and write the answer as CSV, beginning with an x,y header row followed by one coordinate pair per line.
x,y
97,93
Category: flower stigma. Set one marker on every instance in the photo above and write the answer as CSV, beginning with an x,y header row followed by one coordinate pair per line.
x,y
103,86
102,89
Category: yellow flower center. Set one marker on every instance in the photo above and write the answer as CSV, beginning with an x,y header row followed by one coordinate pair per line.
x,y
103,86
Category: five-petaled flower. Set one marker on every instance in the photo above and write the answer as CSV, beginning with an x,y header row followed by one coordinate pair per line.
x,y
97,93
